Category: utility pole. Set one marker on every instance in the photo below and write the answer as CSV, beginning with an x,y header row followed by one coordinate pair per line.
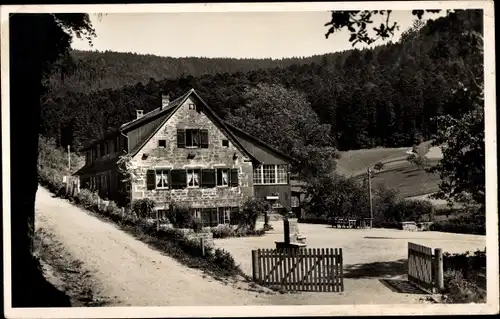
x,y
69,160
370,194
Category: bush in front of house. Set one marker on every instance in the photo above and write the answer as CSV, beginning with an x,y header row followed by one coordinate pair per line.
x,y
143,207
85,198
180,215
197,225
223,231
251,209
217,260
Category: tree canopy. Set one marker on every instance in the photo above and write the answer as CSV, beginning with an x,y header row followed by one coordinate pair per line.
x,y
385,96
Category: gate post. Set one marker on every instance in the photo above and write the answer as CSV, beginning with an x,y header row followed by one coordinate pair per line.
x,y
438,262
254,265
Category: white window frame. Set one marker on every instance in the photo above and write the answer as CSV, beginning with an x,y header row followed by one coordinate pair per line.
x,y
162,171
228,171
192,171
186,137
259,172
224,214
197,213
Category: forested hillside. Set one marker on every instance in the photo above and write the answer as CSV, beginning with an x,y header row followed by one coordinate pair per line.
x,y
94,70
380,97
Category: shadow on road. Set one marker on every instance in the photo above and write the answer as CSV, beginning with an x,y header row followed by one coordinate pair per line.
x,y
402,286
387,269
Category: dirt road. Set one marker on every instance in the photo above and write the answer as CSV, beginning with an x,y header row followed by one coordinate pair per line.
x,y
129,273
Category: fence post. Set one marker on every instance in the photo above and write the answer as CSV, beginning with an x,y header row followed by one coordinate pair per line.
x,y
202,243
438,259
254,265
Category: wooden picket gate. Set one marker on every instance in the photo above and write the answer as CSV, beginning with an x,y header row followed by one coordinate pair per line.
x,y
299,269
425,268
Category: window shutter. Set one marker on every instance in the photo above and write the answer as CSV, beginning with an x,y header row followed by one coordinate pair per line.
x,y
205,217
234,220
287,174
208,178
178,177
214,221
181,138
234,177
204,138
151,179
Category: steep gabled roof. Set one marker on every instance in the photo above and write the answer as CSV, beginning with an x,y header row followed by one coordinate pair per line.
x,y
162,115
172,106
172,110
244,135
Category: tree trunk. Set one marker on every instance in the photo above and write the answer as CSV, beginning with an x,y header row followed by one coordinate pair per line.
x,y
29,287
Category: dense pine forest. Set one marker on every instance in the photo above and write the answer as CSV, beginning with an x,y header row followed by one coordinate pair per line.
x,y
385,96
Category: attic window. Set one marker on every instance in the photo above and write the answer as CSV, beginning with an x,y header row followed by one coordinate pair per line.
x,y
225,143
192,106
162,143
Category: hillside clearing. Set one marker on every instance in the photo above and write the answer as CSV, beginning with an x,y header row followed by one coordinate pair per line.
x,y
409,180
398,173
352,162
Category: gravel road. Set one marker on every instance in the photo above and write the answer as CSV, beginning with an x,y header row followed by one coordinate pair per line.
x,y
130,273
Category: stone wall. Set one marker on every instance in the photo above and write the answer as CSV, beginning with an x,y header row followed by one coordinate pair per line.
x,y
172,157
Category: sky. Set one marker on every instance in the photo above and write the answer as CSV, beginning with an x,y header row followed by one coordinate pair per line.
x,y
223,34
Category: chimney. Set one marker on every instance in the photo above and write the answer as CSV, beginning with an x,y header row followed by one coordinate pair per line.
x,y
139,113
165,100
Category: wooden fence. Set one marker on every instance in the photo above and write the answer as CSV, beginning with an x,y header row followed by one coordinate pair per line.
x,y
425,268
299,269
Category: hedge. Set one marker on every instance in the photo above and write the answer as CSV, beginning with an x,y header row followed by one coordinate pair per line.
x,y
462,225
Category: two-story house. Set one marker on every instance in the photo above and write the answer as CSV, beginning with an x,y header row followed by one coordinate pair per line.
x,y
183,152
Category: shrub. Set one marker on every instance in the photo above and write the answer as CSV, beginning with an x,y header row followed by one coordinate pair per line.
x,y
459,290
113,210
223,231
468,264
224,260
143,207
255,232
384,203
85,198
180,215
412,210
250,211
463,225
335,195
147,226
379,166
197,225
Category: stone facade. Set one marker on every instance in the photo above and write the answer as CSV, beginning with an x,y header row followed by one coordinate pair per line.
x,y
171,157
